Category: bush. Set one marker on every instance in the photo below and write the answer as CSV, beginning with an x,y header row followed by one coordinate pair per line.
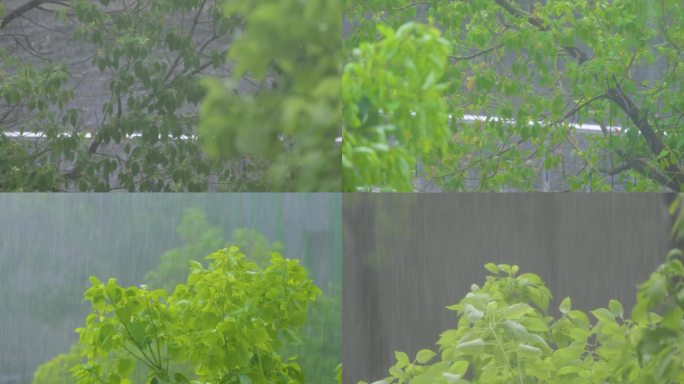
x,y
56,371
505,335
227,323
318,348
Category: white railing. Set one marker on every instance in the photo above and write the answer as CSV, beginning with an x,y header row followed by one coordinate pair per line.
x,y
579,127
87,135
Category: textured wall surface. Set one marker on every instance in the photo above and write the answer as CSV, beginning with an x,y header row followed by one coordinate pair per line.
x,y
406,257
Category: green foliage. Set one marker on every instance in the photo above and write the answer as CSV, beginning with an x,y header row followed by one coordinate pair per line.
x,y
152,56
399,75
505,335
610,63
34,90
320,350
18,174
150,96
318,347
227,322
56,371
290,51
200,238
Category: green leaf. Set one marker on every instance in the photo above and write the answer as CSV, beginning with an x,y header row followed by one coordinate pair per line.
x,y
565,305
124,367
654,342
514,329
672,319
472,314
402,359
453,379
424,355
473,347
528,351
491,267
656,289
516,311
616,308
459,367
603,315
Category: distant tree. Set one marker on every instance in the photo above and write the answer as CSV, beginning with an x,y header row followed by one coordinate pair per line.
x,y
200,238
56,371
535,68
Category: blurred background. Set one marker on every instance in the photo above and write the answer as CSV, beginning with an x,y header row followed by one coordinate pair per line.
x,y
51,244
407,256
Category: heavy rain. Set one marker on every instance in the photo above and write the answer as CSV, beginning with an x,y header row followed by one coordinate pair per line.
x,y
407,257
51,244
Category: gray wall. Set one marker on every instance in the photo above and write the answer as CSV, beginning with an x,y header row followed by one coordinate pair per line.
x,y
406,257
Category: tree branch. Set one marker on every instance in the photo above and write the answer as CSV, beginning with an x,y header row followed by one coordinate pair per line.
x,y
674,177
537,22
642,166
455,59
616,170
20,11
638,118
584,104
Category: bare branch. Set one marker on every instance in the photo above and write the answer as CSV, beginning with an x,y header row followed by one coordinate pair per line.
x,y
638,117
584,104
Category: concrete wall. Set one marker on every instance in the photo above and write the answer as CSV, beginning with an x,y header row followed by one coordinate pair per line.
x,y
406,257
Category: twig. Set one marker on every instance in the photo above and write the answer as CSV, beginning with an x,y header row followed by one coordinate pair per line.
x,y
455,59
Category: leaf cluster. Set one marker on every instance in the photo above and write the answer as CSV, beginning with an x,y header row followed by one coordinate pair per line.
x,y
226,324
505,335
290,51
401,75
